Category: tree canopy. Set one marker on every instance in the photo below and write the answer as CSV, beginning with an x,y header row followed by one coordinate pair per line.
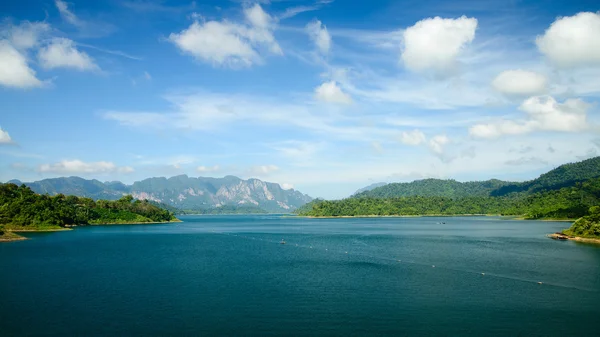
x,y
21,208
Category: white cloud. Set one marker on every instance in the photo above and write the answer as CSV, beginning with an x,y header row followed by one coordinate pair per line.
x,y
437,143
258,17
287,186
230,44
332,93
80,167
293,11
298,150
319,35
414,137
435,43
14,70
572,41
66,14
61,53
5,137
147,76
520,82
262,170
208,169
544,113
26,35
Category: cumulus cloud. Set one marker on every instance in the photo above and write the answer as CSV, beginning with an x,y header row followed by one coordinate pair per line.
x,y
437,143
414,137
572,41
520,82
287,186
262,170
543,113
14,70
319,35
5,137
80,167
62,53
435,43
225,43
26,35
332,93
208,169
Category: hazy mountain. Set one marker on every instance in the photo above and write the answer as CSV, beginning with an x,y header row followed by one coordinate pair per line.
x,y
562,176
370,187
182,192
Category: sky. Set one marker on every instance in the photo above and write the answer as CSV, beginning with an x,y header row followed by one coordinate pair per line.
x,y
321,96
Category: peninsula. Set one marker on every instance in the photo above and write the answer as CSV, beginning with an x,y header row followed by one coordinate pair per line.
x,y
22,210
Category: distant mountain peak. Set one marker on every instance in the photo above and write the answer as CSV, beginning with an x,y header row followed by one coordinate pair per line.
x,y
182,191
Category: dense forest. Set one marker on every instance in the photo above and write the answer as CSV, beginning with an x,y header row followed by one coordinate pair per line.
x,y
22,209
563,176
587,226
435,188
566,203
570,191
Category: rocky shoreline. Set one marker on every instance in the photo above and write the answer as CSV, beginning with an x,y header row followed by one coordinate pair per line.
x,y
562,236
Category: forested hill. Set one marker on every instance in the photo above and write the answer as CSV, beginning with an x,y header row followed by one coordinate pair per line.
x,y
435,187
23,209
563,176
566,203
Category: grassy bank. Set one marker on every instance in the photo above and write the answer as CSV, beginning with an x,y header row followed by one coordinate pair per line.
x,y
8,236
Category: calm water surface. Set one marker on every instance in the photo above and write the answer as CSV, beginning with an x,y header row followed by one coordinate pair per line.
x,y
229,275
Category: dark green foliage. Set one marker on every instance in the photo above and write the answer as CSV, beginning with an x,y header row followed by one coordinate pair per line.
x,y
562,176
21,208
435,188
587,226
566,203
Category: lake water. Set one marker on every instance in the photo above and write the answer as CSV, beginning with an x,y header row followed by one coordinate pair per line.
x,y
229,275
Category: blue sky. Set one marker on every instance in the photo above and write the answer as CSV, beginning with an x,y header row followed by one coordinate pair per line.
x,y
322,96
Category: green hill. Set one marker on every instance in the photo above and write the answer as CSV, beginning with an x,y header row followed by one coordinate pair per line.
x,y
23,209
435,187
562,176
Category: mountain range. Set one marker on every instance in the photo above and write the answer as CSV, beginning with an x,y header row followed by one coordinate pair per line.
x,y
181,192
563,176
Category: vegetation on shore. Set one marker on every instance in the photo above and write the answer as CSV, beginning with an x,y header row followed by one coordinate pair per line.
x,y
23,210
566,203
570,191
587,226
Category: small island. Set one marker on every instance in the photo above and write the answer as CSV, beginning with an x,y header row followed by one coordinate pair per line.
x,y
22,210
585,229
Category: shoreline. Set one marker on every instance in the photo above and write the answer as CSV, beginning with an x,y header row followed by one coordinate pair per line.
x,y
506,217
10,235
128,223
560,236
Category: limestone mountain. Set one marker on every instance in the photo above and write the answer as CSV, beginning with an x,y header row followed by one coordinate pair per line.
x,y
182,192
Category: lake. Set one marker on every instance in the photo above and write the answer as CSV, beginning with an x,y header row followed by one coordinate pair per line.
x,y
230,275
